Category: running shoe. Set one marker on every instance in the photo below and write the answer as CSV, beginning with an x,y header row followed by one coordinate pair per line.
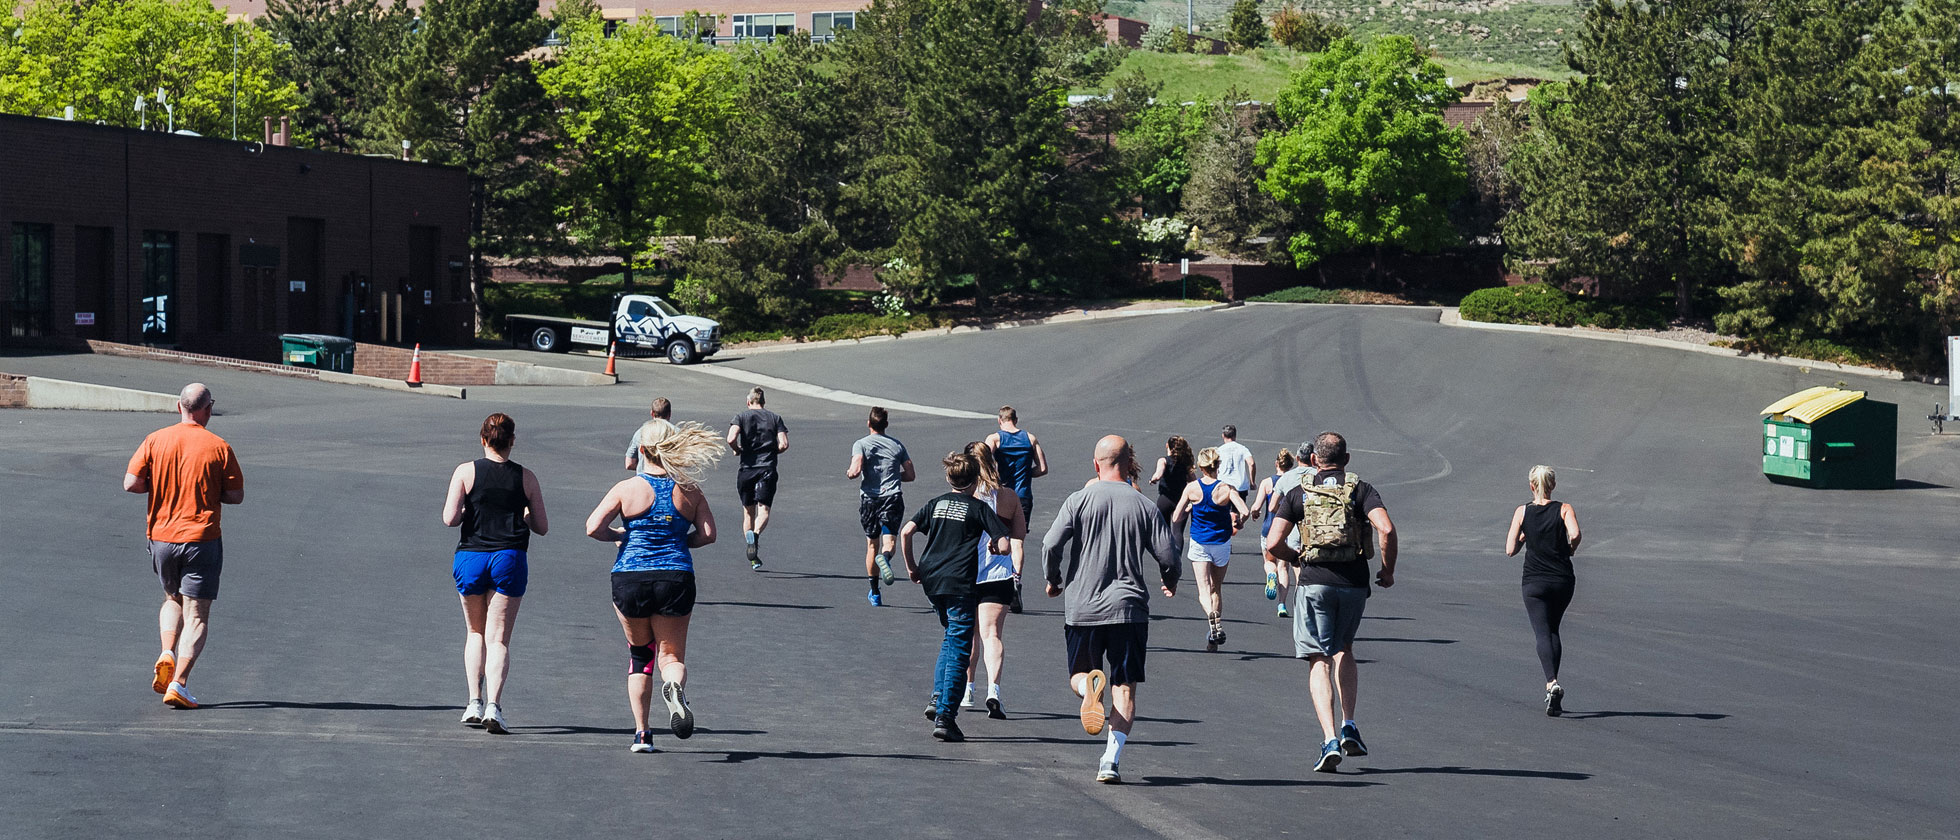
x,y
473,713
947,728
493,719
1272,586
755,558
872,596
994,710
1282,612
1092,705
1330,756
966,702
932,707
1106,773
885,570
680,718
166,672
1351,741
643,741
1555,700
177,696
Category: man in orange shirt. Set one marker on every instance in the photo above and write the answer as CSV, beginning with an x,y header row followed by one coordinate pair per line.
x,y
188,473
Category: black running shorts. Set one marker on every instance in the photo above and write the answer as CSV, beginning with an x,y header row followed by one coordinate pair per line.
x,y
647,594
882,515
994,592
756,486
1120,645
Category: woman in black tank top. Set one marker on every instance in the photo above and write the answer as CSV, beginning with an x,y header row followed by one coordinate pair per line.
x,y
1173,473
499,506
1549,533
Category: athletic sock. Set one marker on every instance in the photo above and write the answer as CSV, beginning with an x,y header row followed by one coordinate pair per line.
x,y
874,583
1113,750
993,690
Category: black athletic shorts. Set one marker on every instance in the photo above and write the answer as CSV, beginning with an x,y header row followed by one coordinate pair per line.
x,y
647,594
994,592
189,569
1121,645
882,515
756,486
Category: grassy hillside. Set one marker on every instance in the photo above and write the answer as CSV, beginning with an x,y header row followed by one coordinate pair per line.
x,y
1262,73
1516,34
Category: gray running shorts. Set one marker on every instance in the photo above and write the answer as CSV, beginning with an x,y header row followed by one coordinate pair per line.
x,y
188,569
1325,618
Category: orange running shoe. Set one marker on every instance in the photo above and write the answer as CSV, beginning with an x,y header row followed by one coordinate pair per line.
x,y
166,670
179,697
1092,705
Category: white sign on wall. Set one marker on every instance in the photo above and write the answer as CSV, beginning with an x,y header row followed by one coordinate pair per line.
x,y
428,296
296,285
85,319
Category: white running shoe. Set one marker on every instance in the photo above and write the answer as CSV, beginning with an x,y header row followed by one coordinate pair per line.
x,y
680,718
966,702
473,713
493,720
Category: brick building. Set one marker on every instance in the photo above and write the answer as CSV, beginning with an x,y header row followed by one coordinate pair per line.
x,y
219,246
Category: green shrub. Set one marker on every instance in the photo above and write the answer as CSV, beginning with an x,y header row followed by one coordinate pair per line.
x,y
1537,303
1303,294
845,325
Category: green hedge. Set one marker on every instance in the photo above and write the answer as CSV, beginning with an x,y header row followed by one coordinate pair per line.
x,y
1537,303
1303,294
862,324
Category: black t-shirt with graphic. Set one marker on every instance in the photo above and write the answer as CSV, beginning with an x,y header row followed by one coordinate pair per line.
x,y
1292,508
954,524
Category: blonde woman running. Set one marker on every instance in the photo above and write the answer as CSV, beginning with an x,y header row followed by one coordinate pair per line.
x,y
1000,579
1549,533
1280,575
1211,505
665,515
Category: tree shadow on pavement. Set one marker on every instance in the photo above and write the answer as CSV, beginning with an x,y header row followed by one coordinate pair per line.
x,y
741,756
620,730
1084,741
1694,715
1075,715
1479,771
1206,781
1411,641
1241,655
337,706
762,606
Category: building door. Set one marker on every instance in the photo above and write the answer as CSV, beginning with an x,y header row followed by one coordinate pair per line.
x,y
419,289
306,256
31,307
160,303
95,282
213,292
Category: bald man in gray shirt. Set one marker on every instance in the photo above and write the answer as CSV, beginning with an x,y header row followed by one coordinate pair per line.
x,y
1095,553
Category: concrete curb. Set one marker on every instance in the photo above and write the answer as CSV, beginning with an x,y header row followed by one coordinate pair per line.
x,y
43,392
430,389
1450,317
527,373
1064,318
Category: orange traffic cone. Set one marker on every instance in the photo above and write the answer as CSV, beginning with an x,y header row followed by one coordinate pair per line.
x,y
415,367
612,368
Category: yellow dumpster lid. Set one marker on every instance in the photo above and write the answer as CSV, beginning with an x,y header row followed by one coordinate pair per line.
x,y
1810,404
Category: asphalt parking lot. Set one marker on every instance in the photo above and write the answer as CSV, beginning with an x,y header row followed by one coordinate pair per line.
x,y
1743,659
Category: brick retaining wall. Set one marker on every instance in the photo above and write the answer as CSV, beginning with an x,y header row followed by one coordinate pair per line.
x,y
385,362
13,390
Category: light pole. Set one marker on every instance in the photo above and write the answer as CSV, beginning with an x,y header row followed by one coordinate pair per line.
x,y
1190,28
142,120
234,81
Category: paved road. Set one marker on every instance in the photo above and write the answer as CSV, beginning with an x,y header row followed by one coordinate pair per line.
x,y
1744,659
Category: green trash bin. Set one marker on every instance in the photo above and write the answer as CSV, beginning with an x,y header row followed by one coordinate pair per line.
x,y
325,352
1832,439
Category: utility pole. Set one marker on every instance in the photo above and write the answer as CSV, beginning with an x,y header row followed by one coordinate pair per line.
x,y
234,81
1190,28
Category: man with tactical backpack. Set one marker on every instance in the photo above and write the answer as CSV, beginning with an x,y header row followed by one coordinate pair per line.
x,y
1334,511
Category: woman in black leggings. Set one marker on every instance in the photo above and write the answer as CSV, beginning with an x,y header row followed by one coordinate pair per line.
x,y
1549,533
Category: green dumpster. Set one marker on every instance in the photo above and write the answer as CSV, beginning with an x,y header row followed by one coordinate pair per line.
x,y
1831,438
325,352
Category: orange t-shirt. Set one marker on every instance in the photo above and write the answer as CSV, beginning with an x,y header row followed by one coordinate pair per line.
x,y
189,469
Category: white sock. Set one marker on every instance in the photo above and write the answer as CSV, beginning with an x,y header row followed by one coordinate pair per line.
x,y
993,690
1113,751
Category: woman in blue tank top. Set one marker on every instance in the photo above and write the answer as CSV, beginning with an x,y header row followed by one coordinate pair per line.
x,y
499,505
1215,509
664,514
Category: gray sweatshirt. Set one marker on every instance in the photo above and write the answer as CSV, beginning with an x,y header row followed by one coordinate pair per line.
x,y
1097,549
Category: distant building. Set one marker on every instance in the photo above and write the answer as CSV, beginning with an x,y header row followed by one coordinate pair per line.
x,y
218,246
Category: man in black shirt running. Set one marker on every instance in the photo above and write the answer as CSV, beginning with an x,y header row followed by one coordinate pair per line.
x,y
954,523
757,435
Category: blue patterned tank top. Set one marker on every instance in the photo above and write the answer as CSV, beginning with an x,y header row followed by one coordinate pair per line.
x,y
656,541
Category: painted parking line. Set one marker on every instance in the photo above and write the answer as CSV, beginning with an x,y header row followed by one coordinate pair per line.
x,y
832,394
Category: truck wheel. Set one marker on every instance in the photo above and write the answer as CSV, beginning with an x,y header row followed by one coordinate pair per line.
x,y
545,339
680,351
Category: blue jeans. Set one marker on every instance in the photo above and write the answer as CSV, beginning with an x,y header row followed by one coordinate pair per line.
x,y
956,614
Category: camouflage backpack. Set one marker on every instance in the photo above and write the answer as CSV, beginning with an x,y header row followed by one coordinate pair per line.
x,y
1332,529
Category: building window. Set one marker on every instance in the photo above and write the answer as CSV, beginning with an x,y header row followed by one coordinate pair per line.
x,y
765,26
159,286
32,311
692,25
828,24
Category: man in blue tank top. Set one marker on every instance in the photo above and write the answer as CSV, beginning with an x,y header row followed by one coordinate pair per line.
x,y
1019,460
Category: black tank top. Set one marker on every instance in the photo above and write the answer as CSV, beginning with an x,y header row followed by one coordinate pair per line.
x,y
493,512
1171,486
1547,553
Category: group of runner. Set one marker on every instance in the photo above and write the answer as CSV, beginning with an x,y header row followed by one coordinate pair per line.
x,y
1320,527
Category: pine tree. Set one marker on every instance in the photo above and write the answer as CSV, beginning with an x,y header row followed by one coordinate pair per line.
x,y
339,54
1247,28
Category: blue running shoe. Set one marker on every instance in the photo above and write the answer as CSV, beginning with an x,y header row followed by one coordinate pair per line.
x,y
1282,611
872,596
1351,741
1272,586
1330,756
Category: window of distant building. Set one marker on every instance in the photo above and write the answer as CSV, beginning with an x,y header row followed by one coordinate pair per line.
x,y
765,26
686,26
828,24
